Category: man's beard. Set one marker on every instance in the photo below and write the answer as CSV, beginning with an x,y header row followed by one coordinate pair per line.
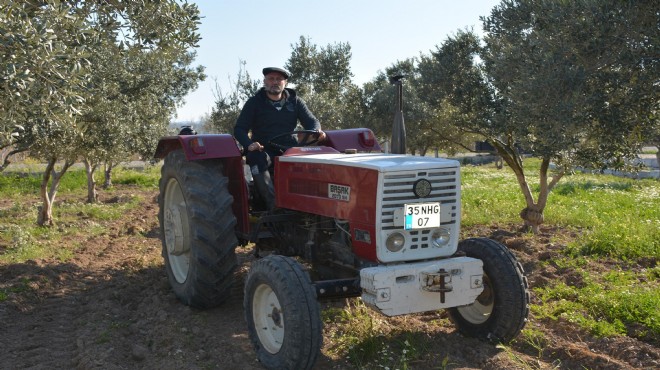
x,y
274,89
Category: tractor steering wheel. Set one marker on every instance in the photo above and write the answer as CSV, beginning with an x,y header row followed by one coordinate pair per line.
x,y
305,138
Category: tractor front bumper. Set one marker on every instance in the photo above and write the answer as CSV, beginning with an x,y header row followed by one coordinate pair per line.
x,y
422,286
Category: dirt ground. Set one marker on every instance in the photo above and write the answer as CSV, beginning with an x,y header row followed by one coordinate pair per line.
x,y
110,307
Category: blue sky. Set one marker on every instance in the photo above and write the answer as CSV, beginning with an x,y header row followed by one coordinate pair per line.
x,y
262,33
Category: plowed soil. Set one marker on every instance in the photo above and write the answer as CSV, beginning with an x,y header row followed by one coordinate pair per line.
x,y
111,307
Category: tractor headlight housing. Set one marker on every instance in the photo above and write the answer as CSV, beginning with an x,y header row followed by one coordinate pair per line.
x,y
395,242
440,237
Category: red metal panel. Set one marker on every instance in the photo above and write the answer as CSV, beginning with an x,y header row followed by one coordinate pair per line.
x,y
353,138
305,187
197,147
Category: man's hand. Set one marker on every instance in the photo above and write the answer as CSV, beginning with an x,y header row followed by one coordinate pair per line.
x,y
255,146
321,136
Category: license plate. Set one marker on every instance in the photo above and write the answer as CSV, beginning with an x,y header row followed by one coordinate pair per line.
x,y
421,215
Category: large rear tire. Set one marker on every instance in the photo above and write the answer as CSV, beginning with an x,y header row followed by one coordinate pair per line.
x,y
500,312
197,228
282,314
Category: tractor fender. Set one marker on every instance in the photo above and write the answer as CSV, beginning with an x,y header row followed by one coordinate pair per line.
x,y
215,146
196,147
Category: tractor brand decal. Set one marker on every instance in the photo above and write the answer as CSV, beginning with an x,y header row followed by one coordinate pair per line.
x,y
339,192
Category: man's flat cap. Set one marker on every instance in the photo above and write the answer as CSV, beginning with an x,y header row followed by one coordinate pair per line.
x,y
281,71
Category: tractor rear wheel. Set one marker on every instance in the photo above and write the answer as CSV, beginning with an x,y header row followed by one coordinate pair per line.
x,y
499,313
197,230
282,313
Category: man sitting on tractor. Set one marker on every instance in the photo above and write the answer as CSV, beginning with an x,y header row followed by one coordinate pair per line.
x,y
273,110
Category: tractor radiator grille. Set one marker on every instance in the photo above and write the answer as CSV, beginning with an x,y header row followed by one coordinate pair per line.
x,y
398,190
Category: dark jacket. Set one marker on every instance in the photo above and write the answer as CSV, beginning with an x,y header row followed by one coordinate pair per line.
x,y
265,121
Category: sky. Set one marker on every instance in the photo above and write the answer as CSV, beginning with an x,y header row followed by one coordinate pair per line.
x,y
262,33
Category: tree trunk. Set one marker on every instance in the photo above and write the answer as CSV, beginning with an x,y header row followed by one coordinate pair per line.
x,y
45,216
107,171
90,168
532,214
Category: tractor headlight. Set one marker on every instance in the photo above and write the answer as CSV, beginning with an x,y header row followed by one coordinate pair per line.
x,y
440,237
395,242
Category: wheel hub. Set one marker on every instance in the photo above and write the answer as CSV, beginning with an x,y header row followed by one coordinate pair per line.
x,y
479,312
176,231
486,297
173,231
275,315
268,318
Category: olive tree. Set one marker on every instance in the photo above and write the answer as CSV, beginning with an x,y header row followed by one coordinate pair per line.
x,y
228,106
44,75
427,126
137,92
42,54
572,83
322,77
111,69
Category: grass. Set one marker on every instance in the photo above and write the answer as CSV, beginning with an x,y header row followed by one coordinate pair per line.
x,y
369,341
615,303
75,220
618,223
619,217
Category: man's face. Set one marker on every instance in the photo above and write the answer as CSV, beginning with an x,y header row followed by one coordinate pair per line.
x,y
274,83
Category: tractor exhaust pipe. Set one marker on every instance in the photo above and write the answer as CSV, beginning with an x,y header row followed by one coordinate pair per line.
x,y
398,128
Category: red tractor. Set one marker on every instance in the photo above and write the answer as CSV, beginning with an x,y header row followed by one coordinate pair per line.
x,y
349,221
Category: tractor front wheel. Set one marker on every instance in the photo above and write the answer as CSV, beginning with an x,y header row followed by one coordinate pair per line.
x,y
282,314
499,313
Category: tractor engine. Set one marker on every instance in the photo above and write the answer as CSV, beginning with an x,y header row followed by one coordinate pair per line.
x,y
323,241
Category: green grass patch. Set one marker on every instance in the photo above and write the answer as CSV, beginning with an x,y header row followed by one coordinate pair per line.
x,y
489,195
17,184
22,239
72,211
368,341
32,242
27,181
147,177
619,217
618,302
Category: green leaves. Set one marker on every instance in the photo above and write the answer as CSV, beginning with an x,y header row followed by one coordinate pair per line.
x,y
92,80
68,65
574,74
